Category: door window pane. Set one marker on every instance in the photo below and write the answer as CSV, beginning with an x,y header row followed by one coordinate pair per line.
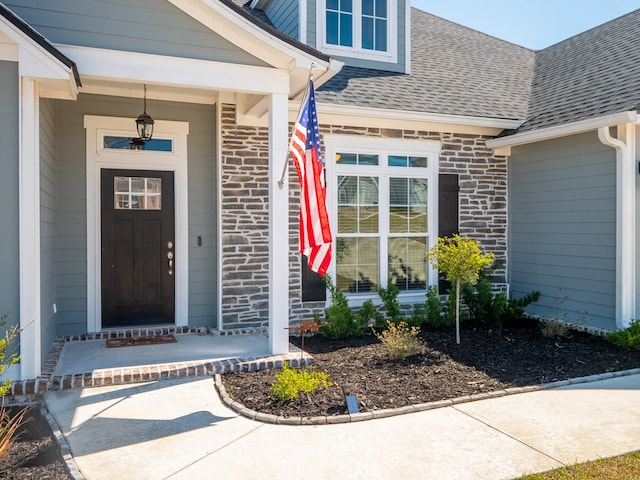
x,y
137,193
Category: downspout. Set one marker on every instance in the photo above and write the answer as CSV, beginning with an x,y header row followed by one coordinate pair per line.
x,y
625,146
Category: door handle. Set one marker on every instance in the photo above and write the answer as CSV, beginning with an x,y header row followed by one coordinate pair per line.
x,y
170,257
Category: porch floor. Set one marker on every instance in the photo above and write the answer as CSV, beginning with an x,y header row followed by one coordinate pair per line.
x,y
87,362
94,356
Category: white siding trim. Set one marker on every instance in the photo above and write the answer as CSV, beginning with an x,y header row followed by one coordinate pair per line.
x,y
29,208
98,158
278,228
166,70
390,56
560,131
218,180
302,21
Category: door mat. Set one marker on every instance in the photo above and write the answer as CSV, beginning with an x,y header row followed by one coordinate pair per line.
x,y
135,341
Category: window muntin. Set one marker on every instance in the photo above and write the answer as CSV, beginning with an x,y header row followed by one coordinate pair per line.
x,y
137,193
339,22
382,209
374,25
359,28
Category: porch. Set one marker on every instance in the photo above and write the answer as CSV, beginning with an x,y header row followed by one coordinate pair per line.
x,y
86,361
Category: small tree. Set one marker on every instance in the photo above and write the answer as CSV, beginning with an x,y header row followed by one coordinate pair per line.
x,y
461,260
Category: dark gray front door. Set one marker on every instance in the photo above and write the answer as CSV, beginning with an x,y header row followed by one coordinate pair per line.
x,y
138,248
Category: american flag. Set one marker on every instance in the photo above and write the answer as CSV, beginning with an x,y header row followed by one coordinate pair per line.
x,y
315,233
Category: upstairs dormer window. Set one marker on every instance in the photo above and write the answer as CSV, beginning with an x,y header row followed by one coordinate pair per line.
x,y
359,28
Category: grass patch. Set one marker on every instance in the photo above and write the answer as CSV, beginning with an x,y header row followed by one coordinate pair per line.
x,y
623,467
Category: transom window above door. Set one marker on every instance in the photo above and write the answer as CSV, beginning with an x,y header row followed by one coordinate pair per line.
x,y
114,142
359,28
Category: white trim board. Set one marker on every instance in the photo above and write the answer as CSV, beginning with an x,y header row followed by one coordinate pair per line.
x,y
99,158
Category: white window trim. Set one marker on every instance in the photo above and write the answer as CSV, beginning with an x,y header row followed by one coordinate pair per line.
x,y
357,144
390,56
98,158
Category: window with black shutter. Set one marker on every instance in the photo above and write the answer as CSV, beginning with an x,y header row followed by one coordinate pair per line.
x,y
447,214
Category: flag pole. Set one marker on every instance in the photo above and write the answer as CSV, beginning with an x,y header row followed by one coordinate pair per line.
x,y
285,167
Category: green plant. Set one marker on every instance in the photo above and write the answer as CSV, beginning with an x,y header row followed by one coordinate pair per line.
x,y
340,319
461,260
7,358
401,340
627,337
8,424
436,313
291,383
369,314
493,309
553,329
389,297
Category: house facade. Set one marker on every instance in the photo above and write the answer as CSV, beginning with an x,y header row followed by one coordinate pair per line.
x,y
429,128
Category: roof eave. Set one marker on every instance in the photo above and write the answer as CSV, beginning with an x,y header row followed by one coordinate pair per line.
x,y
504,144
42,43
421,120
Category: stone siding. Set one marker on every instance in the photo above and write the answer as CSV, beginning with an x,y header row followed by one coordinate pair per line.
x,y
483,212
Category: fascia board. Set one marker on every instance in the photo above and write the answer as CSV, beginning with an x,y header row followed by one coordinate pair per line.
x,y
246,35
444,122
564,130
34,61
148,68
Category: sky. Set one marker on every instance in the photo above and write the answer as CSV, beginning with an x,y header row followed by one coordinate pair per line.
x,y
534,24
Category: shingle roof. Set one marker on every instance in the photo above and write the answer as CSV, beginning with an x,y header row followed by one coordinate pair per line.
x,y
454,70
589,75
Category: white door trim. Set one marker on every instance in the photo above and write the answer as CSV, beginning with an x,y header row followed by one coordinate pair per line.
x,y
99,158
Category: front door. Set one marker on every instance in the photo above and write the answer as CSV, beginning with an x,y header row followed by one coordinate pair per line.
x,y
138,248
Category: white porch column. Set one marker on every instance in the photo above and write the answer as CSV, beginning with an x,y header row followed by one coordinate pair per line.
x,y
278,227
29,198
625,220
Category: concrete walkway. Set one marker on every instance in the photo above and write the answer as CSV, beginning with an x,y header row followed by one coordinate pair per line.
x,y
179,429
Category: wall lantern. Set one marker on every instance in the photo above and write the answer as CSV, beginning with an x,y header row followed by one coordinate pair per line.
x,y
144,122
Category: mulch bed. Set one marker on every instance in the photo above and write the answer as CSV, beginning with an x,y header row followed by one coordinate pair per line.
x,y
35,455
485,361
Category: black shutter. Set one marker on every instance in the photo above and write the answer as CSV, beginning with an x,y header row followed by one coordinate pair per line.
x,y
448,206
313,289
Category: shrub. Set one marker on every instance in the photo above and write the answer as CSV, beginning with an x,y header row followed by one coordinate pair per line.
x,y
340,319
437,314
369,314
494,309
401,340
291,383
389,297
553,329
628,337
8,424
7,358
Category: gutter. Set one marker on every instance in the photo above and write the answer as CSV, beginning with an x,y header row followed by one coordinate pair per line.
x,y
503,145
625,147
